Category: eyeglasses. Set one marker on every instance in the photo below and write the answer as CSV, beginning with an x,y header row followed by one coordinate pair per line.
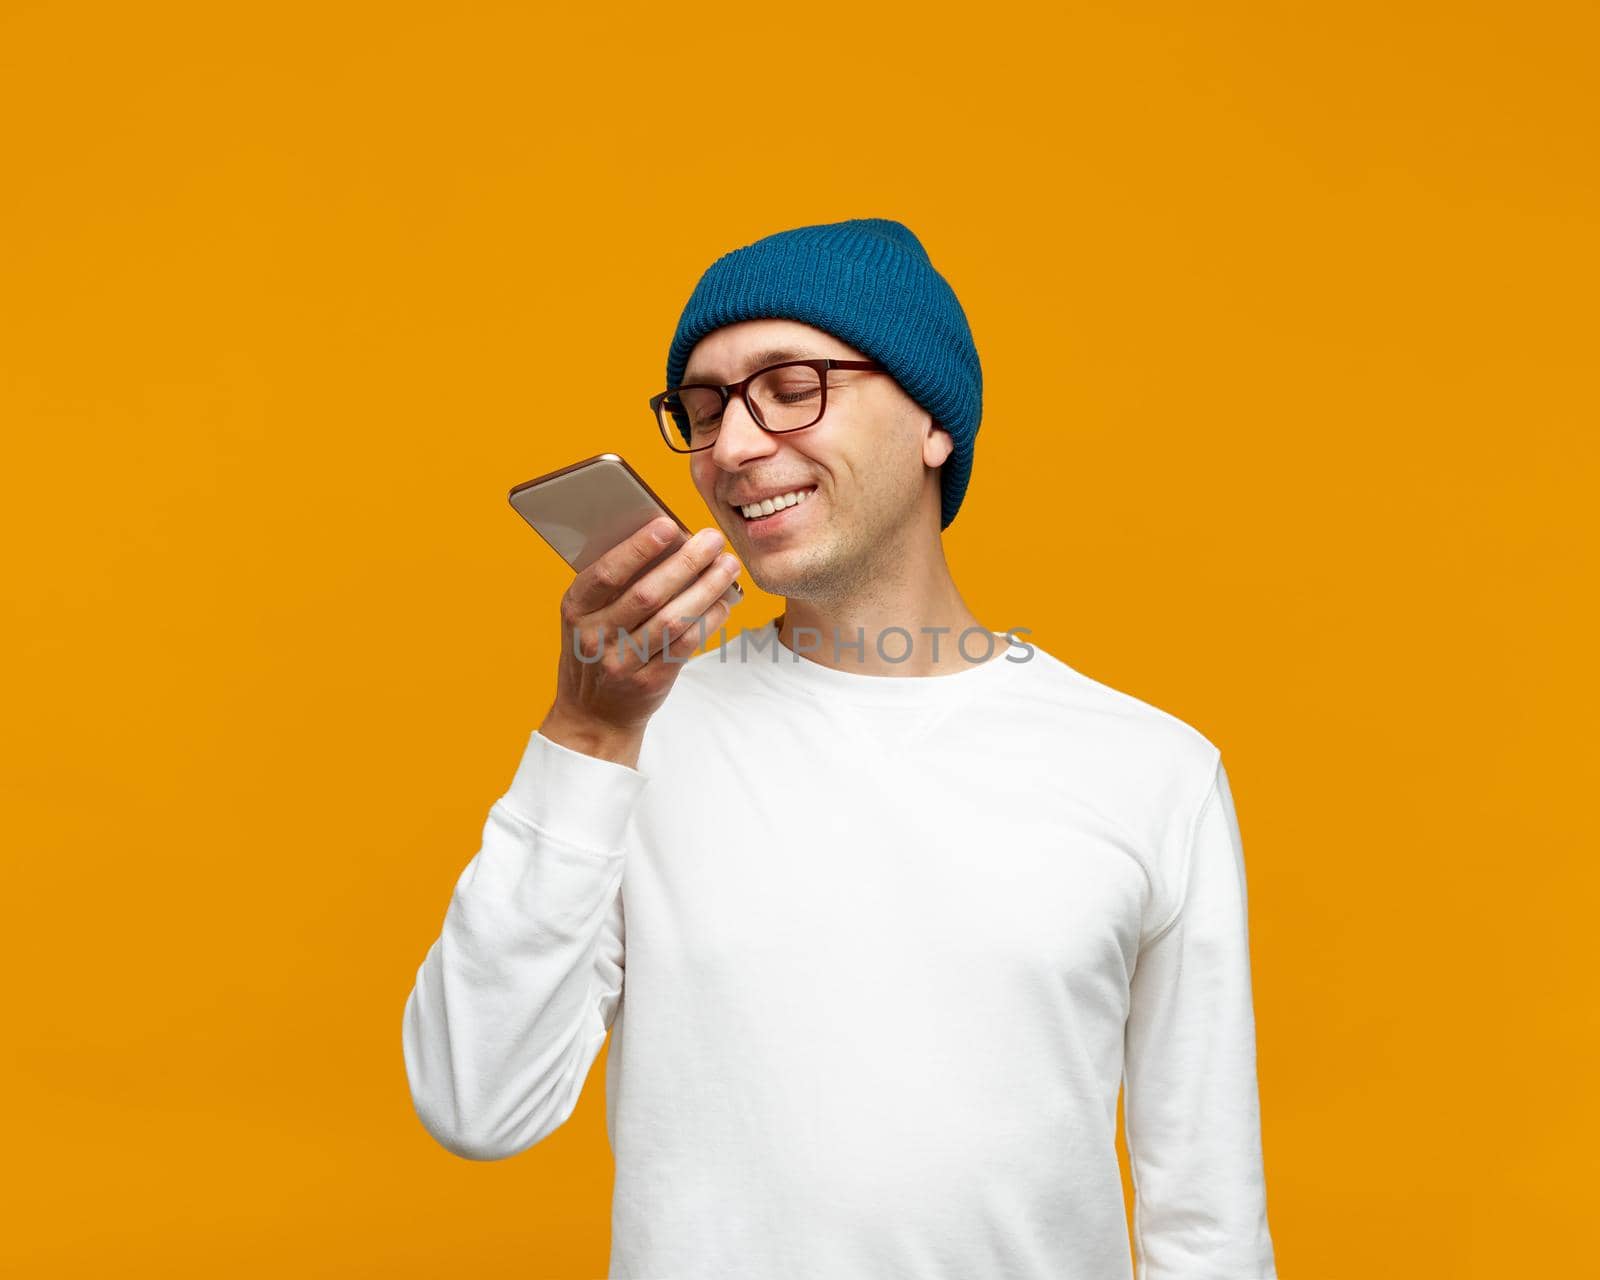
x,y
780,398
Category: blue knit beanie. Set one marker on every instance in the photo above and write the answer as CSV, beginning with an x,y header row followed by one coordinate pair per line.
x,y
867,281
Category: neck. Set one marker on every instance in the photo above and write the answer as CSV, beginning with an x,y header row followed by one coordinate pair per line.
x,y
922,602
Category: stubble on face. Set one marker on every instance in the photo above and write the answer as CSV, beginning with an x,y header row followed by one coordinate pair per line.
x,y
855,548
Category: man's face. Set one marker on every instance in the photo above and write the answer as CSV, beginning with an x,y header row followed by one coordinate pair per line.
x,y
866,463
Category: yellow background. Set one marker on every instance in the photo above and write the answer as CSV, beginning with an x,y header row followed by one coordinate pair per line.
x,y
1287,317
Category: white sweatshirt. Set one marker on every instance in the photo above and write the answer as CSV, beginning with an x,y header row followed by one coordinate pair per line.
x,y
892,944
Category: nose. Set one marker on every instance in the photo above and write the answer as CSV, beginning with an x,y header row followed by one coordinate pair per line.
x,y
739,437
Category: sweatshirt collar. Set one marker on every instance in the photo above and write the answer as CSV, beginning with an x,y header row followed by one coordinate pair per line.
x,y
776,665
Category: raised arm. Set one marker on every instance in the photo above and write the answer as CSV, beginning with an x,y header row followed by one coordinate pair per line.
x,y
513,1001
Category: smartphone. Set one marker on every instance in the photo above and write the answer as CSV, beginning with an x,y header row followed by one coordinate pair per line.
x,y
585,509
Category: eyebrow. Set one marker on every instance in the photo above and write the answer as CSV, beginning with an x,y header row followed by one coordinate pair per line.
x,y
773,355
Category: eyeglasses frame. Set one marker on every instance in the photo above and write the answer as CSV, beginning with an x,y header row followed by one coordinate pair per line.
x,y
822,366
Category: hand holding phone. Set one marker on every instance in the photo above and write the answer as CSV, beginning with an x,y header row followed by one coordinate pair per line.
x,y
639,571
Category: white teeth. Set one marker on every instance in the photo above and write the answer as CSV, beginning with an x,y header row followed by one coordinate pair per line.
x,y
768,505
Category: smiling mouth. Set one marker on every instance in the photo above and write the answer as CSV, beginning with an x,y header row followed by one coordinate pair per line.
x,y
771,506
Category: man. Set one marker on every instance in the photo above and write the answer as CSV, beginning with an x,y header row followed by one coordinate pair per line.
x,y
900,900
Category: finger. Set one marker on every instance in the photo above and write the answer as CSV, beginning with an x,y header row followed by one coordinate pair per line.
x,y
644,602
601,583
689,614
695,634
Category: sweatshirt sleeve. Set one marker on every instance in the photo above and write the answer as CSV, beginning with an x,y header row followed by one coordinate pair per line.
x,y
1190,1101
514,998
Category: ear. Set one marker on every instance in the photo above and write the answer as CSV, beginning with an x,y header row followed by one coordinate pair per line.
x,y
937,445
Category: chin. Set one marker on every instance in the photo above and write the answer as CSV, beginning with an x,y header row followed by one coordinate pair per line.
x,y
798,573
